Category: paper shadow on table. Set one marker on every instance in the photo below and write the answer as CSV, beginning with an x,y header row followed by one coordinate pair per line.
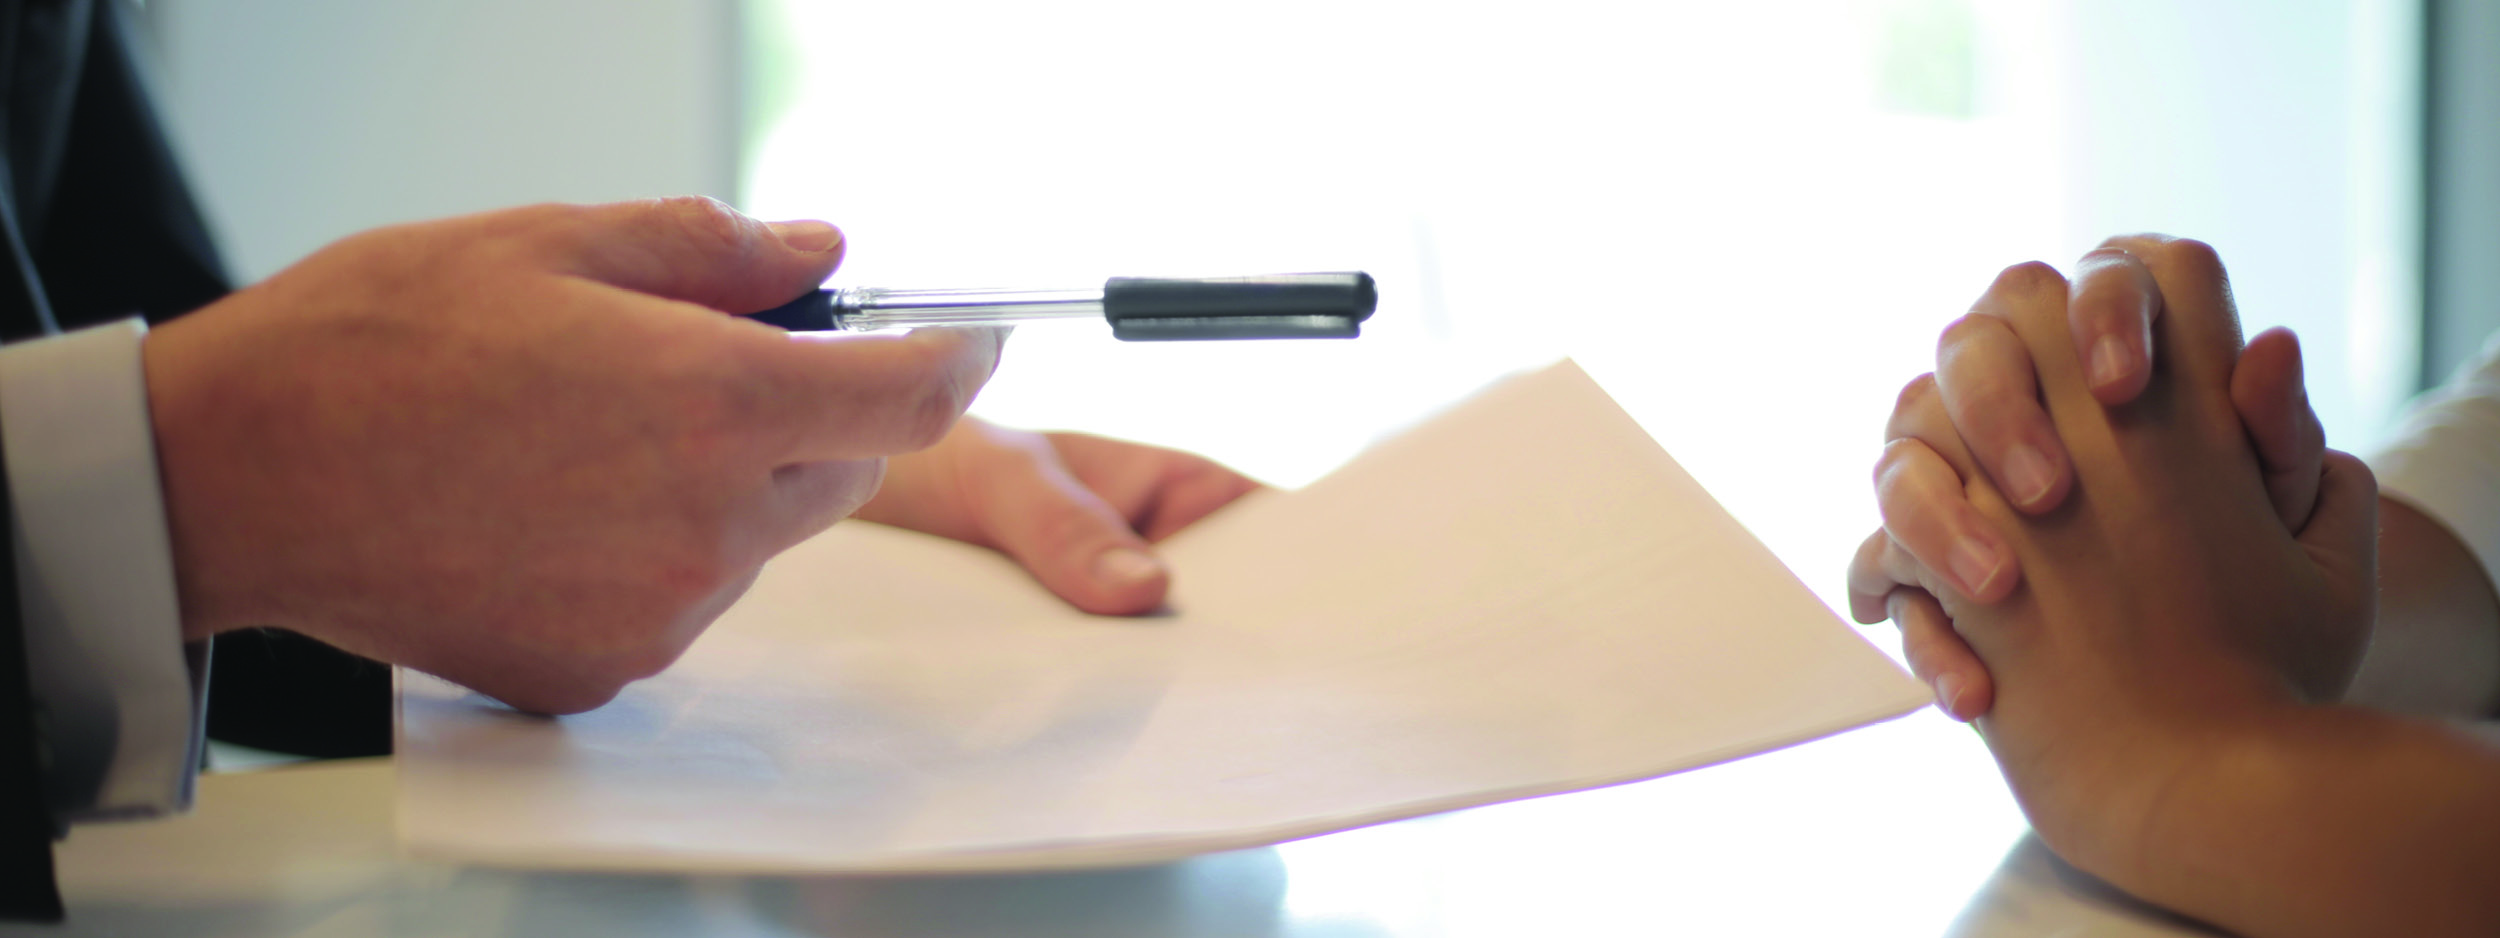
x,y
1227,895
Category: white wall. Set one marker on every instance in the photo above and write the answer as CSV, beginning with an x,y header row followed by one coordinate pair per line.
x,y
305,120
2286,133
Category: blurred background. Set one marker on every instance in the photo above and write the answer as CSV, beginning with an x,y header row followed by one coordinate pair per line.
x,y
1747,220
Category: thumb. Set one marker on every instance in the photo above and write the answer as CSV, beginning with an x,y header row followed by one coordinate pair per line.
x,y
697,250
2343,533
2273,403
2342,539
1072,541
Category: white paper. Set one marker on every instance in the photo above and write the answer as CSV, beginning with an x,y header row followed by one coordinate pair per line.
x,y
1523,596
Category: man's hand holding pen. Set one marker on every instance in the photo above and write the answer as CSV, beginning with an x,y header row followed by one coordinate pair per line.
x,y
532,451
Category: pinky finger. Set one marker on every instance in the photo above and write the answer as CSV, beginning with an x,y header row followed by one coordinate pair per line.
x,y
1938,656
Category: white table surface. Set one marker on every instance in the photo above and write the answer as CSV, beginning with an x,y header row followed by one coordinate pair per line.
x,y
1898,829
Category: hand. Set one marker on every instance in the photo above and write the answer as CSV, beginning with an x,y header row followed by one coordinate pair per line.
x,y
526,450
1078,511
2164,609
1985,378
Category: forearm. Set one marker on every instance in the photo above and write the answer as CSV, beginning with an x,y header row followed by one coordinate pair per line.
x,y
2330,821
2435,650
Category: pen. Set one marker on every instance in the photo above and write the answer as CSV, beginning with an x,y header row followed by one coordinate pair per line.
x,y
1139,309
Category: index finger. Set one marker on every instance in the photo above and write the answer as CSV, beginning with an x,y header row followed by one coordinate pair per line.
x,y
1984,374
689,248
840,396
2199,329
2110,308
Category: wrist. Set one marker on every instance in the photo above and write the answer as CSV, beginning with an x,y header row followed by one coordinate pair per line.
x,y
195,454
2105,779
2161,823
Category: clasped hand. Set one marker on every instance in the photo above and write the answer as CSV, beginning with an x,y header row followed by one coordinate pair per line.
x,y
2114,537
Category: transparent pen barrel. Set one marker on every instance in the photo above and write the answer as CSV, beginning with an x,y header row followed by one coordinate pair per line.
x,y
866,309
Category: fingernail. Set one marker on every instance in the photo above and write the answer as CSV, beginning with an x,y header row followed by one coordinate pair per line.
x,y
1122,566
2110,360
2027,473
1949,695
1974,564
814,237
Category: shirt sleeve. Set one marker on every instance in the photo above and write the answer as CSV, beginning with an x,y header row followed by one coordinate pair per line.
x,y
118,696
2445,458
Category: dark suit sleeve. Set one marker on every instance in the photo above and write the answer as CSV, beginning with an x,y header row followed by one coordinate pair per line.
x,y
97,226
121,207
121,234
26,828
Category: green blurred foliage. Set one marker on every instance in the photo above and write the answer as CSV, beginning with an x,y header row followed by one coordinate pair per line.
x,y
772,72
1926,58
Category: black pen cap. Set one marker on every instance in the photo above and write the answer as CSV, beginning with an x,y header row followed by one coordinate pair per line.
x,y
1272,306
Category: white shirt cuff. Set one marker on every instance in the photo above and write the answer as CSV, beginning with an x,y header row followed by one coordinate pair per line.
x,y
119,699
2445,458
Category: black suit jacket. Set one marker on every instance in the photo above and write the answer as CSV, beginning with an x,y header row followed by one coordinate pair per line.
x,y
96,225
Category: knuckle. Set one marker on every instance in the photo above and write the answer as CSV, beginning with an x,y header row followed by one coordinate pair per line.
x,y
1915,394
932,413
1986,403
2131,244
1063,525
1915,413
2029,278
1979,362
1898,457
2109,252
1963,330
1918,646
937,398
2194,255
707,220
1912,488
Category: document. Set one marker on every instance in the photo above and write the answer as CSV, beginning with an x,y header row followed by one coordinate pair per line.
x,y
1522,596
